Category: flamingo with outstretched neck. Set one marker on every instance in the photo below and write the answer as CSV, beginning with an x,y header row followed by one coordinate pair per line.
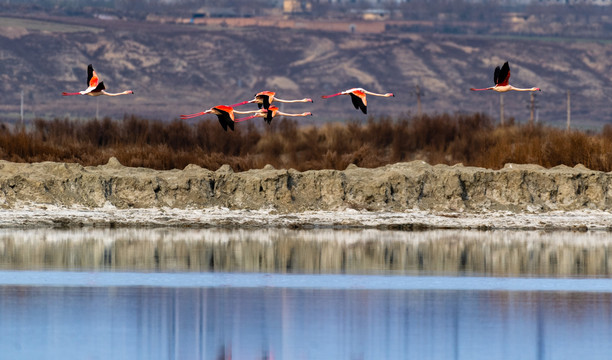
x,y
358,97
224,113
270,113
501,78
265,98
95,87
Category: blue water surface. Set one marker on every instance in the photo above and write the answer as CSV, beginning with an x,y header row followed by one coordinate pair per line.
x,y
123,315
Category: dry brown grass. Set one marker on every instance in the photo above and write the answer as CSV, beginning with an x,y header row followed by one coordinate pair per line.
x,y
449,139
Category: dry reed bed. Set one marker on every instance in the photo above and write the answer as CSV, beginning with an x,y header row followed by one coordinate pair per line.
x,y
473,140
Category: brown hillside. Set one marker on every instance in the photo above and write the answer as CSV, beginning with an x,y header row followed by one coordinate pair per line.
x,y
177,69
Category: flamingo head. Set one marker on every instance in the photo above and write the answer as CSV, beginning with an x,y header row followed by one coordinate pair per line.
x,y
389,95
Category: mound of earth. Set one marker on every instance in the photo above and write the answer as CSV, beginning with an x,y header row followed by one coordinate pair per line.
x,y
401,187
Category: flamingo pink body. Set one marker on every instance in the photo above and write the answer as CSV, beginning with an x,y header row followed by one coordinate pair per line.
x,y
224,113
264,99
95,87
501,78
270,113
358,97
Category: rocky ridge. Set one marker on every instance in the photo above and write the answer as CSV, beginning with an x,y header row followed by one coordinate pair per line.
x,y
401,187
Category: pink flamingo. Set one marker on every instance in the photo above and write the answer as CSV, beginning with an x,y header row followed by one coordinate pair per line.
x,y
501,77
224,113
265,98
270,113
358,97
95,87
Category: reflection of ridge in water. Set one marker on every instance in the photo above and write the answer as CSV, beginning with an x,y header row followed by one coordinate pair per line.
x,y
310,251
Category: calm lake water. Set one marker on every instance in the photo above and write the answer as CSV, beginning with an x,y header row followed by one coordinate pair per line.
x,y
304,294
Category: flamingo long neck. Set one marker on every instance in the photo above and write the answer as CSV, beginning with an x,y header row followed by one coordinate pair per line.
x,y
246,112
302,114
376,94
127,92
293,101
523,89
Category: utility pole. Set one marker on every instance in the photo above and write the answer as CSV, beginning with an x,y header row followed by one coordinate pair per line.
x,y
418,94
569,111
501,109
21,112
531,107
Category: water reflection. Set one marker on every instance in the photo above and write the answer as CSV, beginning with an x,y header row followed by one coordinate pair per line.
x,y
311,251
255,323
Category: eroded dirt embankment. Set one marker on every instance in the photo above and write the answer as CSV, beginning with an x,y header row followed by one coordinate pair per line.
x,y
396,188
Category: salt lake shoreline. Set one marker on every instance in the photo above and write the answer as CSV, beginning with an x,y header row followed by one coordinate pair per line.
x,y
403,196
108,217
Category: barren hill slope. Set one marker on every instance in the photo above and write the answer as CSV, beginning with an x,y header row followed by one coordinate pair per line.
x,y
177,69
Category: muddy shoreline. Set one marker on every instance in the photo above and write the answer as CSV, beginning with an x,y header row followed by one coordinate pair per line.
x,y
405,196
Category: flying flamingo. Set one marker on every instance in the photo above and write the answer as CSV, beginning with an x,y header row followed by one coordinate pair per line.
x,y
95,87
358,97
501,78
265,98
270,113
224,113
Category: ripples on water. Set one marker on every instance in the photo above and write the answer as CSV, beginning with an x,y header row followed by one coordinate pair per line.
x,y
221,294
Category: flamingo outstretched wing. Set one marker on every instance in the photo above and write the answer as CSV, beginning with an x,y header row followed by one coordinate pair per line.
x,y
359,101
225,114
502,76
226,121
265,97
92,77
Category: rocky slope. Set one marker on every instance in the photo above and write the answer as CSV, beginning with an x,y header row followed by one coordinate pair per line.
x,y
403,187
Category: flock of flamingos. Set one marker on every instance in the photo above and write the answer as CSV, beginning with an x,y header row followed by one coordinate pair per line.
x,y
264,99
